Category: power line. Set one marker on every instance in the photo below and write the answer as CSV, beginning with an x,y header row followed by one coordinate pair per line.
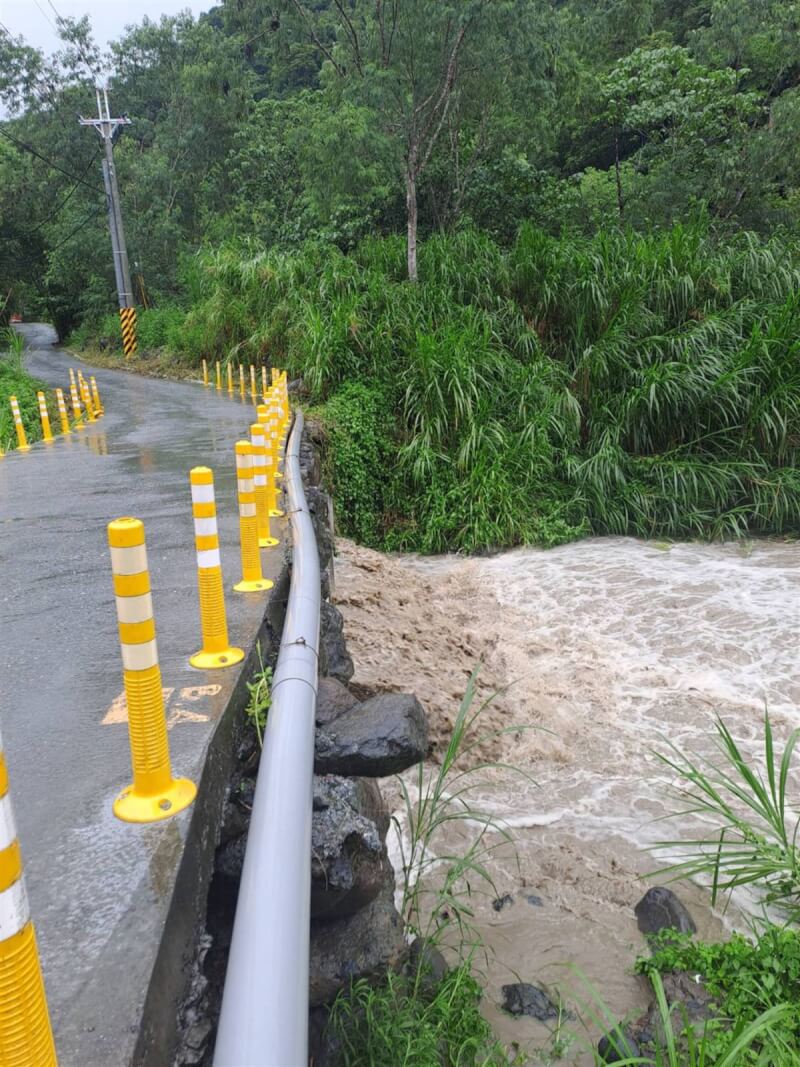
x,y
62,22
58,210
72,233
49,162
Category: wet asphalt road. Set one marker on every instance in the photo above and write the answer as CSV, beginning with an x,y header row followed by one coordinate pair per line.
x,y
98,886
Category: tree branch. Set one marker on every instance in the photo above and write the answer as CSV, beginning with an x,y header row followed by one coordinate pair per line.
x,y
312,34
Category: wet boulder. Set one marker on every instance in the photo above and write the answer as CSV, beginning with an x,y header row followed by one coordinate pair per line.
x,y
319,507
384,735
618,1047
349,865
523,998
660,909
333,698
334,659
364,945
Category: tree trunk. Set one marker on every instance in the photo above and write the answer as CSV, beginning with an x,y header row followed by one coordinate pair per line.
x,y
620,198
411,216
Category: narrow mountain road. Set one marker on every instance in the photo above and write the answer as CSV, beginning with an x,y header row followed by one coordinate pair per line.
x,y
99,888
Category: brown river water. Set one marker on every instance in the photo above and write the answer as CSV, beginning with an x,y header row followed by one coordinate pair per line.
x,y
608,648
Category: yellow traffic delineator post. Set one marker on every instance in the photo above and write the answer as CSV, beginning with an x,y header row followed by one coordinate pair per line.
x,y
62,411
26,1038
265,538
22,440
205,374
271,471
252,576
274,372
154,794
230,379
241,382
216,651
76,407
263,381
219,377
71,376
44,415
253,383
86,397
96,398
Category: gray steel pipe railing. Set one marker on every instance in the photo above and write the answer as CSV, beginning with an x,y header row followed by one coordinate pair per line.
x,y
264,1019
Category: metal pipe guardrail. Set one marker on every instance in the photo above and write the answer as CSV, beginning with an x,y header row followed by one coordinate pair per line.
x,y
264,1018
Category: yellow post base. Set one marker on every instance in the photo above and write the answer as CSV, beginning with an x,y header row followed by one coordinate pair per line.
x,y
253,587
130,806
268,542
276,513
23,448
25,1035
206,661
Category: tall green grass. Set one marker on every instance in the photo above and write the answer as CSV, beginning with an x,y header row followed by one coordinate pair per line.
x,y
15,381
624,383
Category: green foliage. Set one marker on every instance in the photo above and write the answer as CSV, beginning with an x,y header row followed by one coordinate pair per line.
x,y
754,842
402,1023
760,1039
621,384
746,980
260,690
357,458
15,381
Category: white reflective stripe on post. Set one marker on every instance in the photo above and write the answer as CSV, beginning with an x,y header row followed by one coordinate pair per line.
x,y
205,527
245,485
15,913
135,608
125,561
247,511
139,657
209,557
260,479
202,494
8,829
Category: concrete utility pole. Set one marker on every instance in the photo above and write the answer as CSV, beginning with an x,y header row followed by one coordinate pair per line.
x,y
107,127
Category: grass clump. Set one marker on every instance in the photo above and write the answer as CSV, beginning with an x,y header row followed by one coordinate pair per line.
x,y
404,1023
15,381
260,700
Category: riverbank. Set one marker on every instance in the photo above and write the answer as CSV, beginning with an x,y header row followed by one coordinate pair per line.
x,y
609,648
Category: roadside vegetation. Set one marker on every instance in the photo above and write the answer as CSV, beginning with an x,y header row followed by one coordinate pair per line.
x,y
15,381
616,384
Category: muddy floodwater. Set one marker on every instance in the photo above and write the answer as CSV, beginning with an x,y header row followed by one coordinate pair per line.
x,y
609,648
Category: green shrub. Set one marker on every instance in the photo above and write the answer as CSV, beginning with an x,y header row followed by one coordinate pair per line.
x,y
15,381
746,979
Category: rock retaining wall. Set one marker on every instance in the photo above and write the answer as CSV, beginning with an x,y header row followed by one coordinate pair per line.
x,y
355,931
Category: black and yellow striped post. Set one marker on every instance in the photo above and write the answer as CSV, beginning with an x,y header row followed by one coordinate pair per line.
x,y
26,1039
127,320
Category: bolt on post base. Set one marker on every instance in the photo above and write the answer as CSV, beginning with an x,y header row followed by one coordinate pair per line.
x,y
268,542
254,586
133,807
207,661
276,513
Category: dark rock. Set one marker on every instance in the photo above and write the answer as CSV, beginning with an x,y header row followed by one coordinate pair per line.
x,y
426,958
522,998
320,511
323,1047
364,945
382,736
691,1006
334,659
333,698
373,805
325,581
534,901
660,909
296,387
617,1047
230,857
502,902
349,865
